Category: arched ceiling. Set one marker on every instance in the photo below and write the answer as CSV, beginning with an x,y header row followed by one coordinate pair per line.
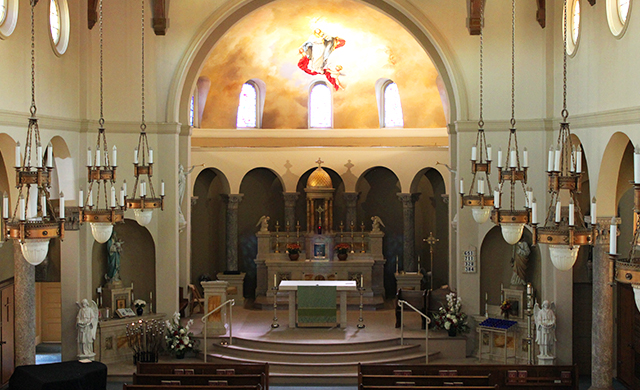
x,y
265,44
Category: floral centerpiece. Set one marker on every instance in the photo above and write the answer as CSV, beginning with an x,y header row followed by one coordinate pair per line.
x,y
505,308
293,250
342,249
451,317
139,304
179,339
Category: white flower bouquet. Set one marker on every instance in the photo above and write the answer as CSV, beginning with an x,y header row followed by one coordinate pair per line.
x,y
451,316
139,303
179,339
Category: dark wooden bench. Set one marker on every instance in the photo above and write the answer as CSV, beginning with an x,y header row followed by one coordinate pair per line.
x,y
188,387
425,380
449,387
170,370
237,379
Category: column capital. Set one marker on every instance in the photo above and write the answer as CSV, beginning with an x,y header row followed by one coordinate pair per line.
x,y
408,199
290,198
232,200
351,196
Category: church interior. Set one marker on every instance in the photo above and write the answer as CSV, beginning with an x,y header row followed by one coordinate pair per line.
x,y
312,161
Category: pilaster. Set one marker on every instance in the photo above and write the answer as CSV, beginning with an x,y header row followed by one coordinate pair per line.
x,y
409,263
233,201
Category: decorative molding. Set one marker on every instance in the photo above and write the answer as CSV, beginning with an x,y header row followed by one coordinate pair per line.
x,y
501,126
622,116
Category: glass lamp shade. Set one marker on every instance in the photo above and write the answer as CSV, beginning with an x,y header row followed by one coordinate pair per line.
x,y
636,294
563,257
35,250
143,216
512,232
101,231
481,214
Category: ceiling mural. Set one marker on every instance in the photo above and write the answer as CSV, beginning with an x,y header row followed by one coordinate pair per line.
x,y
288,44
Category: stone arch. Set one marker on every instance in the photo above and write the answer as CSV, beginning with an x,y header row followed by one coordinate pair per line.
x,y
612,172
418,25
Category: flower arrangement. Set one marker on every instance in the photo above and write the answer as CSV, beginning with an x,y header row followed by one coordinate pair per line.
x,y
342,248
179,339
451,316
139,304
505,307
293,248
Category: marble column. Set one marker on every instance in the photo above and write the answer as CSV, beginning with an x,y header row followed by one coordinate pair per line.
x,y
602,311
233,200
351,199
25,308
409,263
290,199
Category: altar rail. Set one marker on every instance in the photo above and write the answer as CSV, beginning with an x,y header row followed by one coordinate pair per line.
x,y
501,377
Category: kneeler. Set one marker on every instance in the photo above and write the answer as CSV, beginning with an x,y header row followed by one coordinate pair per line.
x,y
317,306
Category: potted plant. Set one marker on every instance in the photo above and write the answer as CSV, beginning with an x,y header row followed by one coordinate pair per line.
x,y
293,250
451,317
139,304
179,339
505,308
342,249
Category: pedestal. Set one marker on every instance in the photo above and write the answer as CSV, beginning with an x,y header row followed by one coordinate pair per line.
x,y
215,293
546,360
408,281
235,289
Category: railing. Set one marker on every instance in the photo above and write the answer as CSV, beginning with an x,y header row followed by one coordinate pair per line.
x,y
230,302
401,303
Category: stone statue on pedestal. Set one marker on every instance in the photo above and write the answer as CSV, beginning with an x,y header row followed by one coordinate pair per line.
x,y
375,227
545,330
87,324
114,247
263,222
519,263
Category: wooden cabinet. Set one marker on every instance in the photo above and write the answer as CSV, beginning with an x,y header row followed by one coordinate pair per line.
x,y
7,349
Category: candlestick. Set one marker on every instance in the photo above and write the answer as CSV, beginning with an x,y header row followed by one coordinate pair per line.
x,y
275,280
81,198
579,160
481,186
150,156
462,186
571,213
98,162
135,155
593,211
43,205
496,198
361,281
23,207
534,211
556,162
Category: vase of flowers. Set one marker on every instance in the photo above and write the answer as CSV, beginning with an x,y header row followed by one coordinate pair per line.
x,y
139,304
293,250
451,318
342,249
179,339
505,308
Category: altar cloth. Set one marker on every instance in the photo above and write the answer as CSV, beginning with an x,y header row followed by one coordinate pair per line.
x,y
317,306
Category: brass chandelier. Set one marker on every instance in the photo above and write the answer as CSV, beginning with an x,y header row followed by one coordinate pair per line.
x,y
33,222
480,203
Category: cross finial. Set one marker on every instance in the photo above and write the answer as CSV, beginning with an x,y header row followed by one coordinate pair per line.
x,y
319,161
431,240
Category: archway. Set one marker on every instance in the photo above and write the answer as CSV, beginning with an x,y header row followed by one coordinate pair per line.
x,y
7,156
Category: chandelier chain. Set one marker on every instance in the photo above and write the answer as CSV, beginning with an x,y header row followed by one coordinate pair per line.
x,y
513,63
565,113
101,121
32,109
143,126
481,120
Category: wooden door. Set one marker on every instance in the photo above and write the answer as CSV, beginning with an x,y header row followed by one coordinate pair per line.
x,y
628,337
7,342
51,312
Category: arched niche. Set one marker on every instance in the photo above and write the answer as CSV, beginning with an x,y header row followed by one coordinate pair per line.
x,y
208,227
582,267
339,203
6,249
626,202
613,173
378,188
432,215
262,193
137,260
496,268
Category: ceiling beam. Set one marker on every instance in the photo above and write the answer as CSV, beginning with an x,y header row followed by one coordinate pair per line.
x,y
541,15
160,13
92,13
474,21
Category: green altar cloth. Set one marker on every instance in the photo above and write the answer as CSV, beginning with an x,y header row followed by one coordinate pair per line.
x,y
317,306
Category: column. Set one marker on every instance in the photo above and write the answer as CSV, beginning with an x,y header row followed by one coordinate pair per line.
x,y
351,199
408,215
290,199
602,311
233,200
25,308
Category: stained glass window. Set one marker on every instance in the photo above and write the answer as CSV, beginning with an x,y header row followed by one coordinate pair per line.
x,y
247,107
3,11
54,21
191,110
623,10
320,106
392,106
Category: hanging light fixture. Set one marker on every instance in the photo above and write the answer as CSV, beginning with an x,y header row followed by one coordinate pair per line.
x,y
564,232
144,199
512,221
33,222
480,203
100,171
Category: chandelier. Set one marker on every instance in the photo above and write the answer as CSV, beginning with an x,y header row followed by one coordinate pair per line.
x,y
511,220
144,199
480,203
33,222
101,176
564,228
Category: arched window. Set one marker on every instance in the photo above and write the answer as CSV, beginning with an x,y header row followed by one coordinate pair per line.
x,y
389,105
572,32
8,17
618,16
54,21
3,11
248,106
320,110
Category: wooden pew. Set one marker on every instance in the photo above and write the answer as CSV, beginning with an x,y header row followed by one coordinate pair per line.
x,y
208,369
188,387
426,380
237,379
449,387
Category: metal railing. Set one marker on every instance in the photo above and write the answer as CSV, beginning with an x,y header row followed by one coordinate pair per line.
x,y
230,302
401,303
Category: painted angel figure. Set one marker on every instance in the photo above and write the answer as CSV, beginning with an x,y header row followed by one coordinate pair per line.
x,y
545,327
87,325
263,222
376,224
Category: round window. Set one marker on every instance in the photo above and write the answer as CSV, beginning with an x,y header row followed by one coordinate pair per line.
x,y
618,13
3,11
59,25
8,17
54,21
572,32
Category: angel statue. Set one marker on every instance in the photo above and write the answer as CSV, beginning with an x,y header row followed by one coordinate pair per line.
x,y
263,222
375,228
87,324
545,328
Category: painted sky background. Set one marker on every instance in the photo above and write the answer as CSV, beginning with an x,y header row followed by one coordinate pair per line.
x,y
265,43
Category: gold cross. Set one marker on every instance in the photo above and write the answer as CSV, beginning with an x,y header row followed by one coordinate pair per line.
x,y
319,162
431,240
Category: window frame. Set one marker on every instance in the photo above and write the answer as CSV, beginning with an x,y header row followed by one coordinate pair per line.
x,y
60,47
4,4
8,25
309,110
617,26
572,43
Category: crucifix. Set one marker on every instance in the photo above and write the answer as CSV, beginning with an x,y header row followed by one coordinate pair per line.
x,y
431,240
320,210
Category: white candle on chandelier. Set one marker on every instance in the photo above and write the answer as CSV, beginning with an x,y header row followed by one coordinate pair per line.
x,y
150,156
38,155
636,164
113,197
593,211
571,213
525,158
162,190
89,159
5,205
18,163
81,199
49,155
61,214
43,205
499,157
556,161
27,155
529,197
135,155
550,163
513,161
474,152
114,156
579,160
573,159
90,199
124,187
534,211
121,197
613,237
558,211
488,152
98,162
22,208
32,203
462,186
481,186
496,198
143,188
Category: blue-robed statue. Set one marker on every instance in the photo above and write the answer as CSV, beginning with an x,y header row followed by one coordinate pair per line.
x,y
114,249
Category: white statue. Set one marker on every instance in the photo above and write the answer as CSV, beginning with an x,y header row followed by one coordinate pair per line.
x,y
263,222
375,228
182,186
545,328
87,324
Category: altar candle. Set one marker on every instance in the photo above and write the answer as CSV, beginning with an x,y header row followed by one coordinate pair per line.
x,y
636,164
474,153
525,158
99,290
89,159
550,162
397,267
61,205
534,211
613,239
361,281
488,152
558,211
5,205
486,296
18,163
499,157
49,155
514,162
571,213
114,156
275,280
529,289
38,155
